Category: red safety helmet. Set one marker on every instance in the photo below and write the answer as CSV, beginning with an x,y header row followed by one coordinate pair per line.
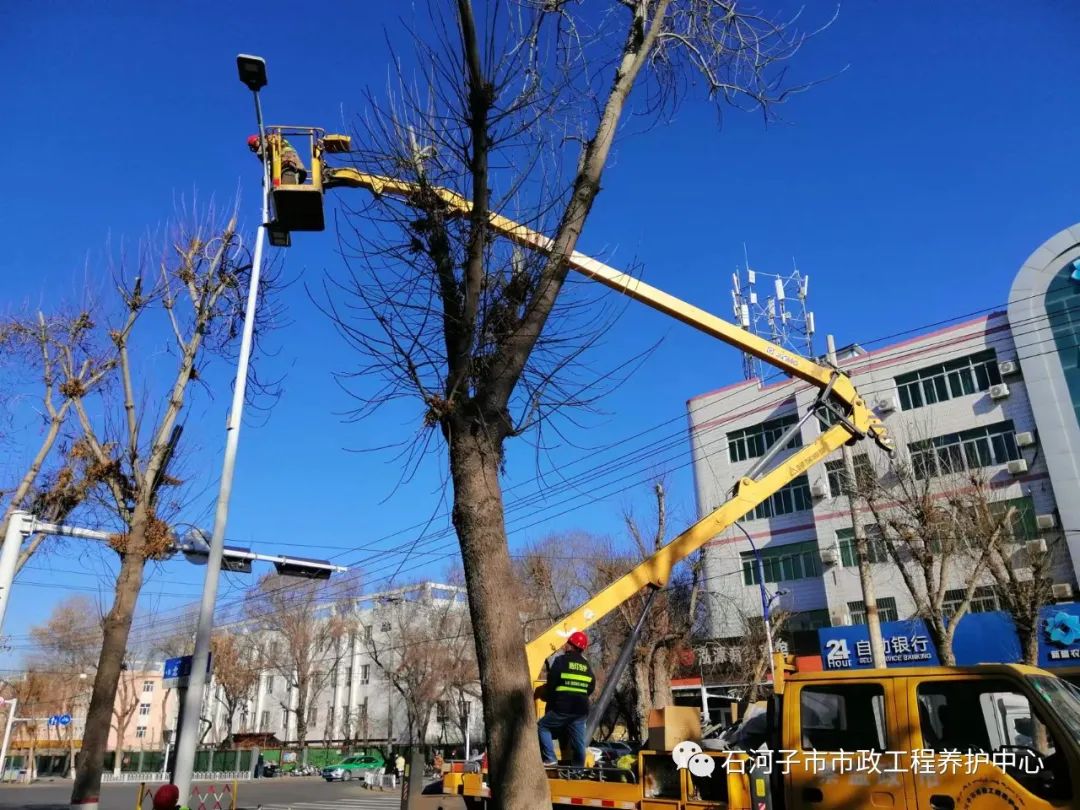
x,y
253,141
579,640
167,797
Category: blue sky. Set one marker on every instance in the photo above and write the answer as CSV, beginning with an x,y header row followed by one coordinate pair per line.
x,y
910,188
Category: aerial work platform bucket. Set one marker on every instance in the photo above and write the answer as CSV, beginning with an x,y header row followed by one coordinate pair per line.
x,y
299,207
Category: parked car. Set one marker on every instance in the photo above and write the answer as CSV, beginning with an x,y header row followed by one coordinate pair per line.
x,y
353,767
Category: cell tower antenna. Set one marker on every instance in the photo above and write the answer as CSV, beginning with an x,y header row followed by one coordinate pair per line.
x,y
780,314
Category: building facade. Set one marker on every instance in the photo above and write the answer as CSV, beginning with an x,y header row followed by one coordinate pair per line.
x,y
957,401
359,702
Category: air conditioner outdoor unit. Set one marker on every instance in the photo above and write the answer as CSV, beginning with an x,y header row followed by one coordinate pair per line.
x,y
1025,438
829,555
1062,590
1037,546
1007,367
1045,521
1018,467
886,405
819,489
999,391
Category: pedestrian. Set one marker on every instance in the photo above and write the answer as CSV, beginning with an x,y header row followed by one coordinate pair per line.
x,y
292,168
399,763
570,681
167,797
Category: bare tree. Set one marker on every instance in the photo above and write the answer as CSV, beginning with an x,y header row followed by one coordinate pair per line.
x,y
424,655
38,346
942,533
672,619
517,108
194,279
67,646
127,702
305,627
236,671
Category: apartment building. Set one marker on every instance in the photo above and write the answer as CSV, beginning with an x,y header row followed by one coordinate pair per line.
x,y
956,400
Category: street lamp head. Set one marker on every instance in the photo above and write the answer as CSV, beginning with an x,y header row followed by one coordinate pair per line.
x,y
252,71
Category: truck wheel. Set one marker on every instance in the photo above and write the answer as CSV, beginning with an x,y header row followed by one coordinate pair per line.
x,y
474,803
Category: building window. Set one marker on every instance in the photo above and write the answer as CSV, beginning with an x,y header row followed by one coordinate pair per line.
x,y
269,684
754,441
945,381
983,600
365,673
886,608
330,720
795,561
808,620
144,709
795,497
367,632
147,686
864,475
1063,317
313,715
966,450
348,678
1023,525
876,548
264,720
442,712
140,732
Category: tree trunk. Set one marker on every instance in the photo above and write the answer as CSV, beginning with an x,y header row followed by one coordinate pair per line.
x,y
660,686
641,696
87,788
1029,641
516,775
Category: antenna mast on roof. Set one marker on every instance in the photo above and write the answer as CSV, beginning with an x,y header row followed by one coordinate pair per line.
x,y
778,315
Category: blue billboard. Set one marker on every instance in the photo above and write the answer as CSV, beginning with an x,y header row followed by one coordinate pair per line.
x,y
980,638
907,644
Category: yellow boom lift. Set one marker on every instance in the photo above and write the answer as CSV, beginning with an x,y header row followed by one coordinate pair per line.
x,y
299,207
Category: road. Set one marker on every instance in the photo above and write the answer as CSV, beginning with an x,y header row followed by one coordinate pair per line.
x,y
286,793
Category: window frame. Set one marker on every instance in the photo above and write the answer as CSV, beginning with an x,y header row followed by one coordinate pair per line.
x,y
780,563
964,451
754,441
886,606
878,698
963,376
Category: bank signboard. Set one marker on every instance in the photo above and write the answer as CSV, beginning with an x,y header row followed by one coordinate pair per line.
x,y
980,638
907,644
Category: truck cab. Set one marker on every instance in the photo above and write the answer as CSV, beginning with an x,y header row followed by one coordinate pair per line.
x,y
928,738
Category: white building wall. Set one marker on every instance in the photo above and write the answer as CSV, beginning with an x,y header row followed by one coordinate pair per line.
x,y
714,416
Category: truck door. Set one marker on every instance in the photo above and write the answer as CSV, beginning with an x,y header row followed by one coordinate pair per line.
x,y
979,742
840,734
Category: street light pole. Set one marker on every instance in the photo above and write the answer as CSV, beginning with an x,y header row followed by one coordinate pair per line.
x,y
189,730
766,600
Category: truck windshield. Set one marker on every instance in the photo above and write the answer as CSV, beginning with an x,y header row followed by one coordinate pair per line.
x,y
1062,698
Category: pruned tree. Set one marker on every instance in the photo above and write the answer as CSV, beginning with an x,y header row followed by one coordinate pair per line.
x,y
38,347
1022,568
424,654
127,702
942,532
186,292
669,627
237,668
304,627
516,106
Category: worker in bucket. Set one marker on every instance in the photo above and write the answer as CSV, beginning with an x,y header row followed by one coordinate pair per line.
x,y
167,797
292,168
570,681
